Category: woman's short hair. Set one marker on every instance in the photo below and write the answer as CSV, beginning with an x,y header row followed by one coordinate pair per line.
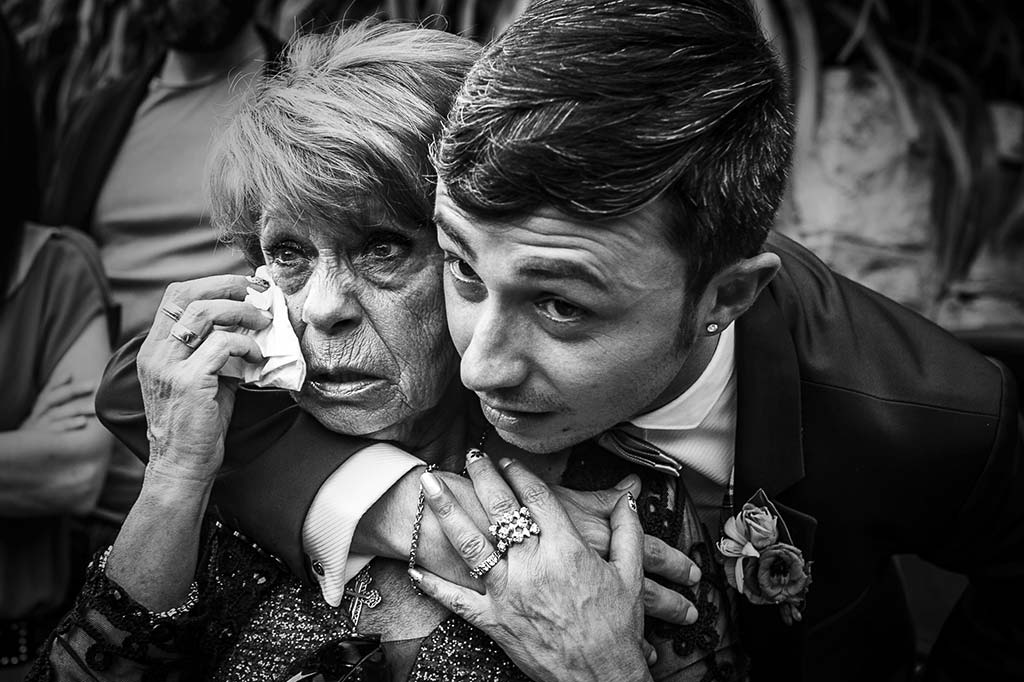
x,y
339,131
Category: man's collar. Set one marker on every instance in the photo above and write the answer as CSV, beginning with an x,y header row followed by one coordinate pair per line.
x,y
690,409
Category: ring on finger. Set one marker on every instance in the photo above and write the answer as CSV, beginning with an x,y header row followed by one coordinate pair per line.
x,y
172,311
513,527
186,335
489,562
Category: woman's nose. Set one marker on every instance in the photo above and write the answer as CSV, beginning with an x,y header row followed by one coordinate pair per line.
x,y
332,301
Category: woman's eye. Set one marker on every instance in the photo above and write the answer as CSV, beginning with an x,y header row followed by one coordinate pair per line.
x,y
286,255
385,248
462,270
560,310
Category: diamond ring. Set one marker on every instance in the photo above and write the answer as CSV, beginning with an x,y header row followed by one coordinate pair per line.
x,y
513,527
489,562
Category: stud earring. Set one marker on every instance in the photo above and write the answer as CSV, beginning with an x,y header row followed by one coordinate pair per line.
x,y
712,327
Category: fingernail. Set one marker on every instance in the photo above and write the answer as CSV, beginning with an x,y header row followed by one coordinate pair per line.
x,y
691,616
415,576
626,483
267,314
473,454
695,574
631,501
258,282
431,485
652,657
504,462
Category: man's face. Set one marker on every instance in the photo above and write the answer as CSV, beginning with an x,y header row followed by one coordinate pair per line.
x,y
565,328
367,306
198,26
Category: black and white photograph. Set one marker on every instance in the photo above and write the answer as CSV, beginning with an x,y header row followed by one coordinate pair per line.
x,y
512,341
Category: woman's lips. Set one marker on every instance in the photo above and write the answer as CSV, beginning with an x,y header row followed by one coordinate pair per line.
x,y
344,385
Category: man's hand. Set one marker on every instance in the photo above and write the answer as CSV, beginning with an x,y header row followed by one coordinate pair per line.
x,y
591,514
558,609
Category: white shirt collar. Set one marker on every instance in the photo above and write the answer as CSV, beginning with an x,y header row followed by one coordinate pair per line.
x,y
693,406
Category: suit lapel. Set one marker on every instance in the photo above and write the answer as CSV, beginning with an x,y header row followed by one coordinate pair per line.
x,y
769,451
769,455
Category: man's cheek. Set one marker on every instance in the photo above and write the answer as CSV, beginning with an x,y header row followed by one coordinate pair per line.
x,y
460,325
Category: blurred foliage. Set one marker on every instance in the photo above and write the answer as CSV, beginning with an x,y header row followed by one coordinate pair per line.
x,y
73,46
947,64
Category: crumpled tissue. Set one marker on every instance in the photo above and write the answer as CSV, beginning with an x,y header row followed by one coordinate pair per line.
x,y
283,365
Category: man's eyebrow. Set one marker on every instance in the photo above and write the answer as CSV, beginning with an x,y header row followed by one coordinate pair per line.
x,y
550,268
450,232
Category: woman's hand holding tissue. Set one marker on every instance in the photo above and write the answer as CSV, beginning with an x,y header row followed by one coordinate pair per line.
x,y
201,325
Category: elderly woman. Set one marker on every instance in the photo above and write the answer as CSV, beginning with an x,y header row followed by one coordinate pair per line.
x,y
323,176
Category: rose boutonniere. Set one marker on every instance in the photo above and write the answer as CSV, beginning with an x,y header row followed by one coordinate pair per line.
x,y
761,561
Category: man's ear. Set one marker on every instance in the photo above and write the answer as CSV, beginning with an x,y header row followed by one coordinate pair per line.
x,y
733,290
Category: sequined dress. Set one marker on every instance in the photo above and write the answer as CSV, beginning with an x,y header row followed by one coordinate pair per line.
x,y
254,621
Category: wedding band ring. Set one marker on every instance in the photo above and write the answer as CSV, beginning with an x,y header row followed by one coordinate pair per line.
x,y
489,562
513,527
172,311
186,335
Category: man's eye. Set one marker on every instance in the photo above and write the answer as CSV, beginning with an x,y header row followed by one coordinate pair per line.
x,y
560,310
462,270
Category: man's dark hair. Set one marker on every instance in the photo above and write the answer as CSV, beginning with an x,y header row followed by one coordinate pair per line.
x,y
599,107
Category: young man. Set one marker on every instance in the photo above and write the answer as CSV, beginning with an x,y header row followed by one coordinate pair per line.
x,y
607,184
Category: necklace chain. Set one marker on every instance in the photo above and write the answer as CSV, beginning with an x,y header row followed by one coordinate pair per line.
x,y
418,520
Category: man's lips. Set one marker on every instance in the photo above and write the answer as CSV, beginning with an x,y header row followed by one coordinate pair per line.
x,y
511,417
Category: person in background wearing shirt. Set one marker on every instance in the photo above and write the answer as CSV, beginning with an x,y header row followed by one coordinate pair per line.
x,y
55,338
129,172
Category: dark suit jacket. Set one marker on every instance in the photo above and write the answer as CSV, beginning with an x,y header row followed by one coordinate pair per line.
x,y
874,431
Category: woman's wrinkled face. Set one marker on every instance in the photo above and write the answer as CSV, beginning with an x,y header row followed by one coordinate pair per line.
x,y
367,304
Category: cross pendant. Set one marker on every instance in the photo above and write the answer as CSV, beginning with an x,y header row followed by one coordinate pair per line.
x,y
370,598
362,594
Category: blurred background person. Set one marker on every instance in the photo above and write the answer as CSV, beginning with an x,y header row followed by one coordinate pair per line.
x,y
129,170
54,331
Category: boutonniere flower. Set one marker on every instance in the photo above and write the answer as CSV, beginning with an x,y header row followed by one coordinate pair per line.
x,y
761,561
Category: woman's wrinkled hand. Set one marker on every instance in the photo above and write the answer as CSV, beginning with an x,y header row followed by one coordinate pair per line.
x,y
559,610
188,405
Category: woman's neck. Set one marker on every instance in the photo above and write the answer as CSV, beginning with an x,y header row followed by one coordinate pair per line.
x,y
442,434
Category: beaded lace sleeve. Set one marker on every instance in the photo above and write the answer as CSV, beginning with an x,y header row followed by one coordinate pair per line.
x,y
110,636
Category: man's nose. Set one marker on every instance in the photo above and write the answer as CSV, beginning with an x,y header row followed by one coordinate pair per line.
x,y
496,355
332,302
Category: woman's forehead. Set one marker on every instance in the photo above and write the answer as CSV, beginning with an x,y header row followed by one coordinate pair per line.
x,y
345,220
